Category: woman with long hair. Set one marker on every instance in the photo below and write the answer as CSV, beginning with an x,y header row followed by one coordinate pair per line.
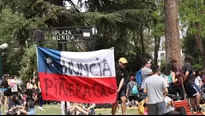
x,y
178,85
29,88
169,76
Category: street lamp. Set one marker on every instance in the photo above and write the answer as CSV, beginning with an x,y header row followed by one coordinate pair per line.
x,y
2,47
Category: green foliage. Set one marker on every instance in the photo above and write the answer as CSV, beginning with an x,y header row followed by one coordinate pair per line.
x,y
28,63
121,24
15,31
192,12
197,66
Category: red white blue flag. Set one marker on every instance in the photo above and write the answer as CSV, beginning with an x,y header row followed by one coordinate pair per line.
x,y
86,77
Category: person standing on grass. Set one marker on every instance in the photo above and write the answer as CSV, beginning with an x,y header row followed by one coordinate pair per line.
x,y
179,77
121,79
132,91
38,90
189,83
62,104
29,88
7,92
145,71
156,89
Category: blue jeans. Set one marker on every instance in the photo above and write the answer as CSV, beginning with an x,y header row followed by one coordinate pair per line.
x,y
41,102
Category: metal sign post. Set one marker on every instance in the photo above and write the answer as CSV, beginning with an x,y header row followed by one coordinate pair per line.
x,y
64,35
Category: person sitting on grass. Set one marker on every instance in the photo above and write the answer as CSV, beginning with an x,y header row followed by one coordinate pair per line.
x,y
78,109
28,109
12,105
89,108
145,109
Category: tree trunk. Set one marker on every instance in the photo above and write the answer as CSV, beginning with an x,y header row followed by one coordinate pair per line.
x,y
142,42
156,49
172,39
199,43
156,44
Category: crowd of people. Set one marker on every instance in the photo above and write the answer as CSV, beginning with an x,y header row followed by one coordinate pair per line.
x,y
17,98
155,86
152,91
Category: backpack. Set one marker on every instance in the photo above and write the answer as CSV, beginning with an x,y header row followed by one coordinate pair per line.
x,y
134,90
139,78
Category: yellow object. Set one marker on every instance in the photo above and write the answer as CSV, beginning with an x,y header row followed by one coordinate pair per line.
x,y
141,107
123,60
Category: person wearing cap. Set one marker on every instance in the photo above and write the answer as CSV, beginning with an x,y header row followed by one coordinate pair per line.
x,y
122,80
146,72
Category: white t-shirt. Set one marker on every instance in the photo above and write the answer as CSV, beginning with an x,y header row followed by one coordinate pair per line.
x,y
155,89
13,85
197,80
168,107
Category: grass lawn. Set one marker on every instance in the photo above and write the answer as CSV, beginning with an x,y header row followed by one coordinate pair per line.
x,y
55,110
52,109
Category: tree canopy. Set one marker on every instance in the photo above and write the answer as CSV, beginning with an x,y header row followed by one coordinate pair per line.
x,y
133,27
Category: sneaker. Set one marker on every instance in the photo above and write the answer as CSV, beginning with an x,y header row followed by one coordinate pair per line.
x,y
40,108
199,109
194,110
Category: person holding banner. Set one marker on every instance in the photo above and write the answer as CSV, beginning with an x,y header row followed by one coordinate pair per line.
x,y
122,78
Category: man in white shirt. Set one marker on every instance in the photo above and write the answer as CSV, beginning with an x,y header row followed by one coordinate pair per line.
x,y
156,89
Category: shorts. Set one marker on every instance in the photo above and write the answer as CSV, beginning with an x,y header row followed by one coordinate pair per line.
x,y
197,87
8,92
121,94
191,90
135,98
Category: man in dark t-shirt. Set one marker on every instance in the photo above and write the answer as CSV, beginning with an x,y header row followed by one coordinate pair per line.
x,y
122,80
189,80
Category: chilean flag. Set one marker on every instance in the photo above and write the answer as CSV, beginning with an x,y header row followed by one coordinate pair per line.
x,y
85,77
